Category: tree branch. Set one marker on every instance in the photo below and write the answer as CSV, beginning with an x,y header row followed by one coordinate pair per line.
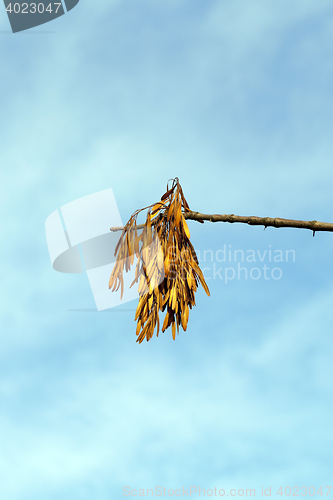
x,y
253,220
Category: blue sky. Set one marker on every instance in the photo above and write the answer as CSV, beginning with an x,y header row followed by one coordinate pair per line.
x,y
234,98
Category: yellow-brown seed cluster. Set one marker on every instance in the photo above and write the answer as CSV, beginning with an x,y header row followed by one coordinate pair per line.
x,y
167,269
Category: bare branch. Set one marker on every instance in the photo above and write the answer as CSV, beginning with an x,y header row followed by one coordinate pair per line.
x,y
253,220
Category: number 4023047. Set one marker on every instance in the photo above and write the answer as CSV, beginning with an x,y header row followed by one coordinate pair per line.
x,y
32,8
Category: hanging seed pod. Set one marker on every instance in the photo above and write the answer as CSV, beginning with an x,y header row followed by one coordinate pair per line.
x,y
167,270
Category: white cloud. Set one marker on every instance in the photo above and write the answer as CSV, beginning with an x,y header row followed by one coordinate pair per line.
x,y
95,419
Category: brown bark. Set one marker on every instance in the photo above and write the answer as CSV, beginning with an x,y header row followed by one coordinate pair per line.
x,y
253,220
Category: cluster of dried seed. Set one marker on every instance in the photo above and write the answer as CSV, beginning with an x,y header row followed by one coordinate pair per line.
x,y
167,269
